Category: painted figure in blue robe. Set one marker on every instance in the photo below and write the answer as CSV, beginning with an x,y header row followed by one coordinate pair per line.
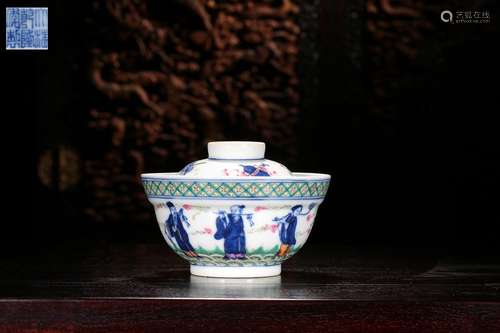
x,y
174,228
259,170
230,227
287,226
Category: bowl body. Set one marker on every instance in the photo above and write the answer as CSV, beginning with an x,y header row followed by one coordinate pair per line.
x,y
241,227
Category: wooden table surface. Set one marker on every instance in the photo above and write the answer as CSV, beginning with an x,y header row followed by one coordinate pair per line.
x,y
145,287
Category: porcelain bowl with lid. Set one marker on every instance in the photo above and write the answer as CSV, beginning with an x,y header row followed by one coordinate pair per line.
x,y
235,214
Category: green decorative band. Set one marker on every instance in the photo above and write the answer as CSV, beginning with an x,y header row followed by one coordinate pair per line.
x,y
258,257
263,190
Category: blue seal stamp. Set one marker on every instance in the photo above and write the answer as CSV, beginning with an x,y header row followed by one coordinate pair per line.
x,y
27,28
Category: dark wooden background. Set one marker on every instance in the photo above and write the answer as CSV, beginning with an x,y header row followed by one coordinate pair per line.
x,y
398,106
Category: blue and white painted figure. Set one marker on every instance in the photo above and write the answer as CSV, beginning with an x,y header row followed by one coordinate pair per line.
x,y
230,227
287,225
259,170
174,228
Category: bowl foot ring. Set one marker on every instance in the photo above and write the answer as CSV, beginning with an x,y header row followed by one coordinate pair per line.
x,y
236,272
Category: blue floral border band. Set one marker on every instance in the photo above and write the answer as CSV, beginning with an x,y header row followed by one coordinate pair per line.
x,y
196,189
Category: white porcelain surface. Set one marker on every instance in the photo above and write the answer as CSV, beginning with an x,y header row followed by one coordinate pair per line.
x,y
236,150
236,272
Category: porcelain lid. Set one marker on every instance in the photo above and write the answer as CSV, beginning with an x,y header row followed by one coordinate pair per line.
x,y
236,159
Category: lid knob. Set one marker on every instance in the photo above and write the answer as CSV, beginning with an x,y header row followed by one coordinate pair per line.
x,y
236,150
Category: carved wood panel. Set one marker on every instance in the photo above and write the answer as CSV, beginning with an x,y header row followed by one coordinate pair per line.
x,y
169,76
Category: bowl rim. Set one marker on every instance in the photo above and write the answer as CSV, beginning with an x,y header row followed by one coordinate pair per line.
x,y
295,177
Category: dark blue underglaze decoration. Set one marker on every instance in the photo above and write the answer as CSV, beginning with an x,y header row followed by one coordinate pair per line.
x,y
188,168
230,227
174,228
259,170
287,225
